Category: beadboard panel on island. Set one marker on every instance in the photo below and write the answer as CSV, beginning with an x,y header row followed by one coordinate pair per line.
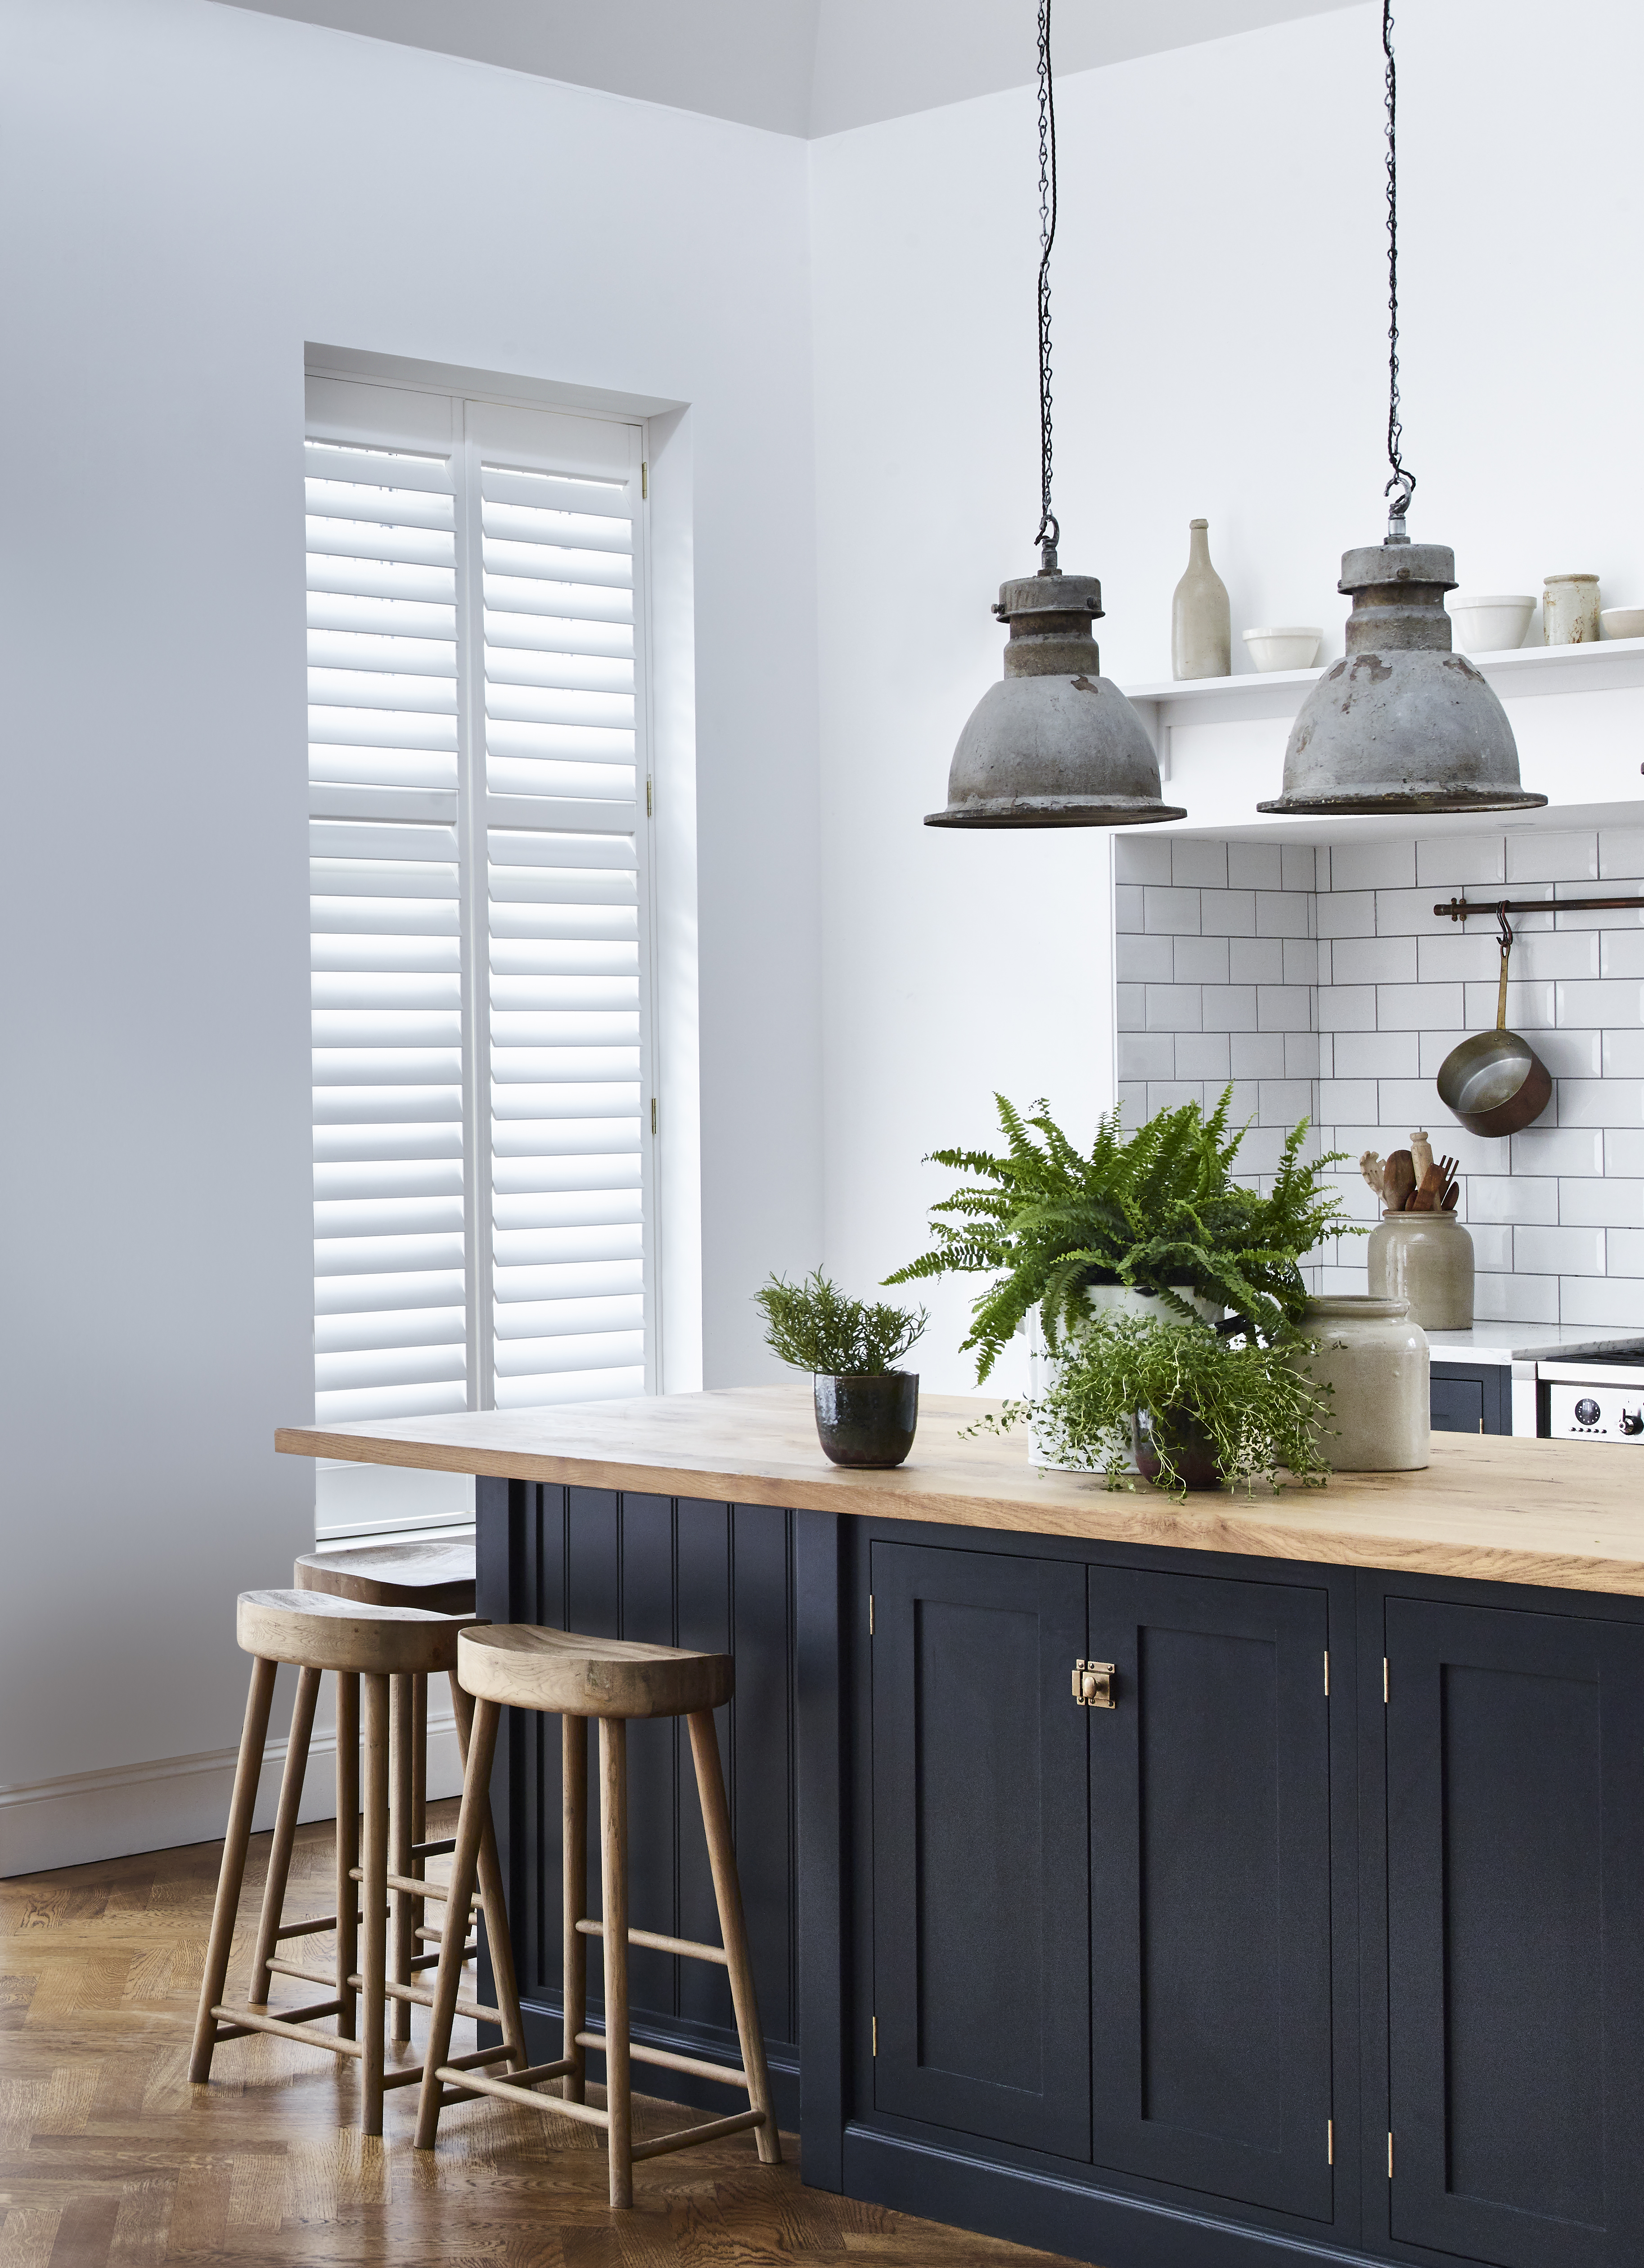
x,y
1556,1213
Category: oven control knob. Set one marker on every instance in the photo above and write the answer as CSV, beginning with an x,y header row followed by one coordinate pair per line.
x,y
1633,1421
1587,1411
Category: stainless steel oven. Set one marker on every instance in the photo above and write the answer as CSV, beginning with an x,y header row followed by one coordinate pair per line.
x,y
1582,1394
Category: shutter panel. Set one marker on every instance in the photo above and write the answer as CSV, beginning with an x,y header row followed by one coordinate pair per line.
x,y
558,503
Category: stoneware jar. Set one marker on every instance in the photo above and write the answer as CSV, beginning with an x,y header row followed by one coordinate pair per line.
x,y
868,1420
1426,1260
1569,610
1375,1359
1201,620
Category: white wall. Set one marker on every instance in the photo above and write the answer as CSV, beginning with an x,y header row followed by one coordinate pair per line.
x,y
194,192
1220,343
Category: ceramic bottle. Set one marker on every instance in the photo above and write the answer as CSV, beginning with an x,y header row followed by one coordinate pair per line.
x,y
1201,622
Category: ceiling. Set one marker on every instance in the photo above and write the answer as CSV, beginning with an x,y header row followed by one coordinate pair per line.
x,y
803,67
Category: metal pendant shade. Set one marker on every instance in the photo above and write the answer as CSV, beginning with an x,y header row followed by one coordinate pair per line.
x,y
1401,723
1054,744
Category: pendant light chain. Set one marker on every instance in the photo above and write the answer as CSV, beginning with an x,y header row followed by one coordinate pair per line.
x,y
1404,482
1050,533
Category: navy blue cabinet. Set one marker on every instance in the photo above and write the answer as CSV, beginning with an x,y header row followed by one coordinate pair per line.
x,y
1472,1397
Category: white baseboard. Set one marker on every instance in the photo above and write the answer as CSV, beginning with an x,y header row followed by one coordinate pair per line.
x,y
175,1800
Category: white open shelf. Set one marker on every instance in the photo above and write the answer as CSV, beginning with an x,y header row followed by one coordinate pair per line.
x,y
1577,713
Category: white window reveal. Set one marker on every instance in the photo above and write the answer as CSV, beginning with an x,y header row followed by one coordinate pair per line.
x,y
482,1121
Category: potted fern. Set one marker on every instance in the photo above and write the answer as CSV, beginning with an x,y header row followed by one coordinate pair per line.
x,y
866,1409
1152,1228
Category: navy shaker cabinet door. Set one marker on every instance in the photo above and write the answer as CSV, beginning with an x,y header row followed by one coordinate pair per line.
x,y
981,1911
1515,1923
1209,1888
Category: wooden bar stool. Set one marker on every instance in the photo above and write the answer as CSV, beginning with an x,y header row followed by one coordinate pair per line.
x,y
517,1666
372,1646
439,1577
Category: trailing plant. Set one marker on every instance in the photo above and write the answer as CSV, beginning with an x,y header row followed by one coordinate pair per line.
x,y
1160,1211
816,1327
1262,1413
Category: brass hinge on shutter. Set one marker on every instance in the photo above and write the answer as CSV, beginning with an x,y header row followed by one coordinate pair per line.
x,y
644,480
649,813
654,1114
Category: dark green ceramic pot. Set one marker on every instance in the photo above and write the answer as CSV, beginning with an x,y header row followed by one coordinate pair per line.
x,y
868,1421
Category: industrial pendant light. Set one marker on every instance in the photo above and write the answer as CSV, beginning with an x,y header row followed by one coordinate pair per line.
x,y
1055,744
1401,723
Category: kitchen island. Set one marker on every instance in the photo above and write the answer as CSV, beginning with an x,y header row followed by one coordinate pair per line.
x,y
1325,1939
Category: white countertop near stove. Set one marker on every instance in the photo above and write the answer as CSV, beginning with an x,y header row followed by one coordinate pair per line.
x,y
1503,1342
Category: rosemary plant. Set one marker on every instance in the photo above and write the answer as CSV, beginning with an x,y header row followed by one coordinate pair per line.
x,y
814,1326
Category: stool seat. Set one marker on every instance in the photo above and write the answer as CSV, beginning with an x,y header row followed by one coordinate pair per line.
x,y
566,1675
317,1632
436,1576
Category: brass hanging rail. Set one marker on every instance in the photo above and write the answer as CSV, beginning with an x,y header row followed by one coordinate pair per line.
x,y
1458,908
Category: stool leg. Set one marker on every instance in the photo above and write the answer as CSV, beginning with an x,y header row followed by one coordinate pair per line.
x,y
574,1895
252,1737
419,1767
403,1908
499,1939
284,1834
348,1889
374,1902
480,1748
614,1895
716,1820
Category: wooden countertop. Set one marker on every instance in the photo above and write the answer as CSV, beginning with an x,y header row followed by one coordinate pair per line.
x,y
1565,1514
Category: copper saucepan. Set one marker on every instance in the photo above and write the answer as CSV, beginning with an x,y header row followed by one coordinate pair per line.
x,y
1495,1082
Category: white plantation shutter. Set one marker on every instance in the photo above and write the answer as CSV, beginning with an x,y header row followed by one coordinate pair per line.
x,y
481,1113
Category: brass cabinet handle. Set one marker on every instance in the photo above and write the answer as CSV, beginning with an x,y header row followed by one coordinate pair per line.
x,y
1093,1684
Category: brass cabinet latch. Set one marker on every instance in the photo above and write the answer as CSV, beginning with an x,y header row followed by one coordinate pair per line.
x,y
1093,1684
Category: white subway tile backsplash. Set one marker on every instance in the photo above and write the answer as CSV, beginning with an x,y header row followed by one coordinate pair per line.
x,y
1347,1007
1455,863
1623,1153
1603,1003
1258,1055
1129,912
1346,1098
1451,957
1530,1007
1173,913
1133,1007
1324,948
1351,915
1200,959
1514,1197
1493,1246
1281,913
1261,1150
1618,1301
1170,1094
1434,1047
1416,1007
1474,1153
1515,1298
1198,864
1284,1007
1621,953
1298,868
1558,1251
1203,1055
1621,918
1373,865
1132,1101
1256,959
1405,913
1378,1055
1536,855
1380,960
1620,851
1625,1251
1301,961
1600,1103
1339,1282
1241,1111
1571,1150
1146,1055
1621,1053
1143,960
1573,1055
1612,1202
1229,1007
1141,858
1228,913
1301,1055
1408,1102
1175,1007
1254,867
1282,1101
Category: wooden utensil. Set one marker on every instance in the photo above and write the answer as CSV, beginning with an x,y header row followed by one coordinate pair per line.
x,y
1448,1203
1426,1197
1370,1167
1398,1179
1421,1153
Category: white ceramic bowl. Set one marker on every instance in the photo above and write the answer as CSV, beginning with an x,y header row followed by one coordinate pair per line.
x,y
1623,622
1490,625
1283,649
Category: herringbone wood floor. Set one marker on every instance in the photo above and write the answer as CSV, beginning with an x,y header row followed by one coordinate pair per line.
x,y
108,2155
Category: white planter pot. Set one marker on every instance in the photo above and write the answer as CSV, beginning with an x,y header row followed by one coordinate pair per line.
x,y
1042,1365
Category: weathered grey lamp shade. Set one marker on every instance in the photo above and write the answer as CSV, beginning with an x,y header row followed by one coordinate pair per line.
x,y
1055,744
1401,723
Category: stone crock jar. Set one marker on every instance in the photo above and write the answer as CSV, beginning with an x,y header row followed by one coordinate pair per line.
x,y
1376,1361
1426,1260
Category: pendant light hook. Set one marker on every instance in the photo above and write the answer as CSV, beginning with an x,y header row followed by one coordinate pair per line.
x,y
1049,534
1402,485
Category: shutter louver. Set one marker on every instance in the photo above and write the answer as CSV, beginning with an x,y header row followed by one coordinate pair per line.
x,y
477,916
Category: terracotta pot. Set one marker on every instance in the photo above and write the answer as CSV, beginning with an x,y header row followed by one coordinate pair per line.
x,y
869,1420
